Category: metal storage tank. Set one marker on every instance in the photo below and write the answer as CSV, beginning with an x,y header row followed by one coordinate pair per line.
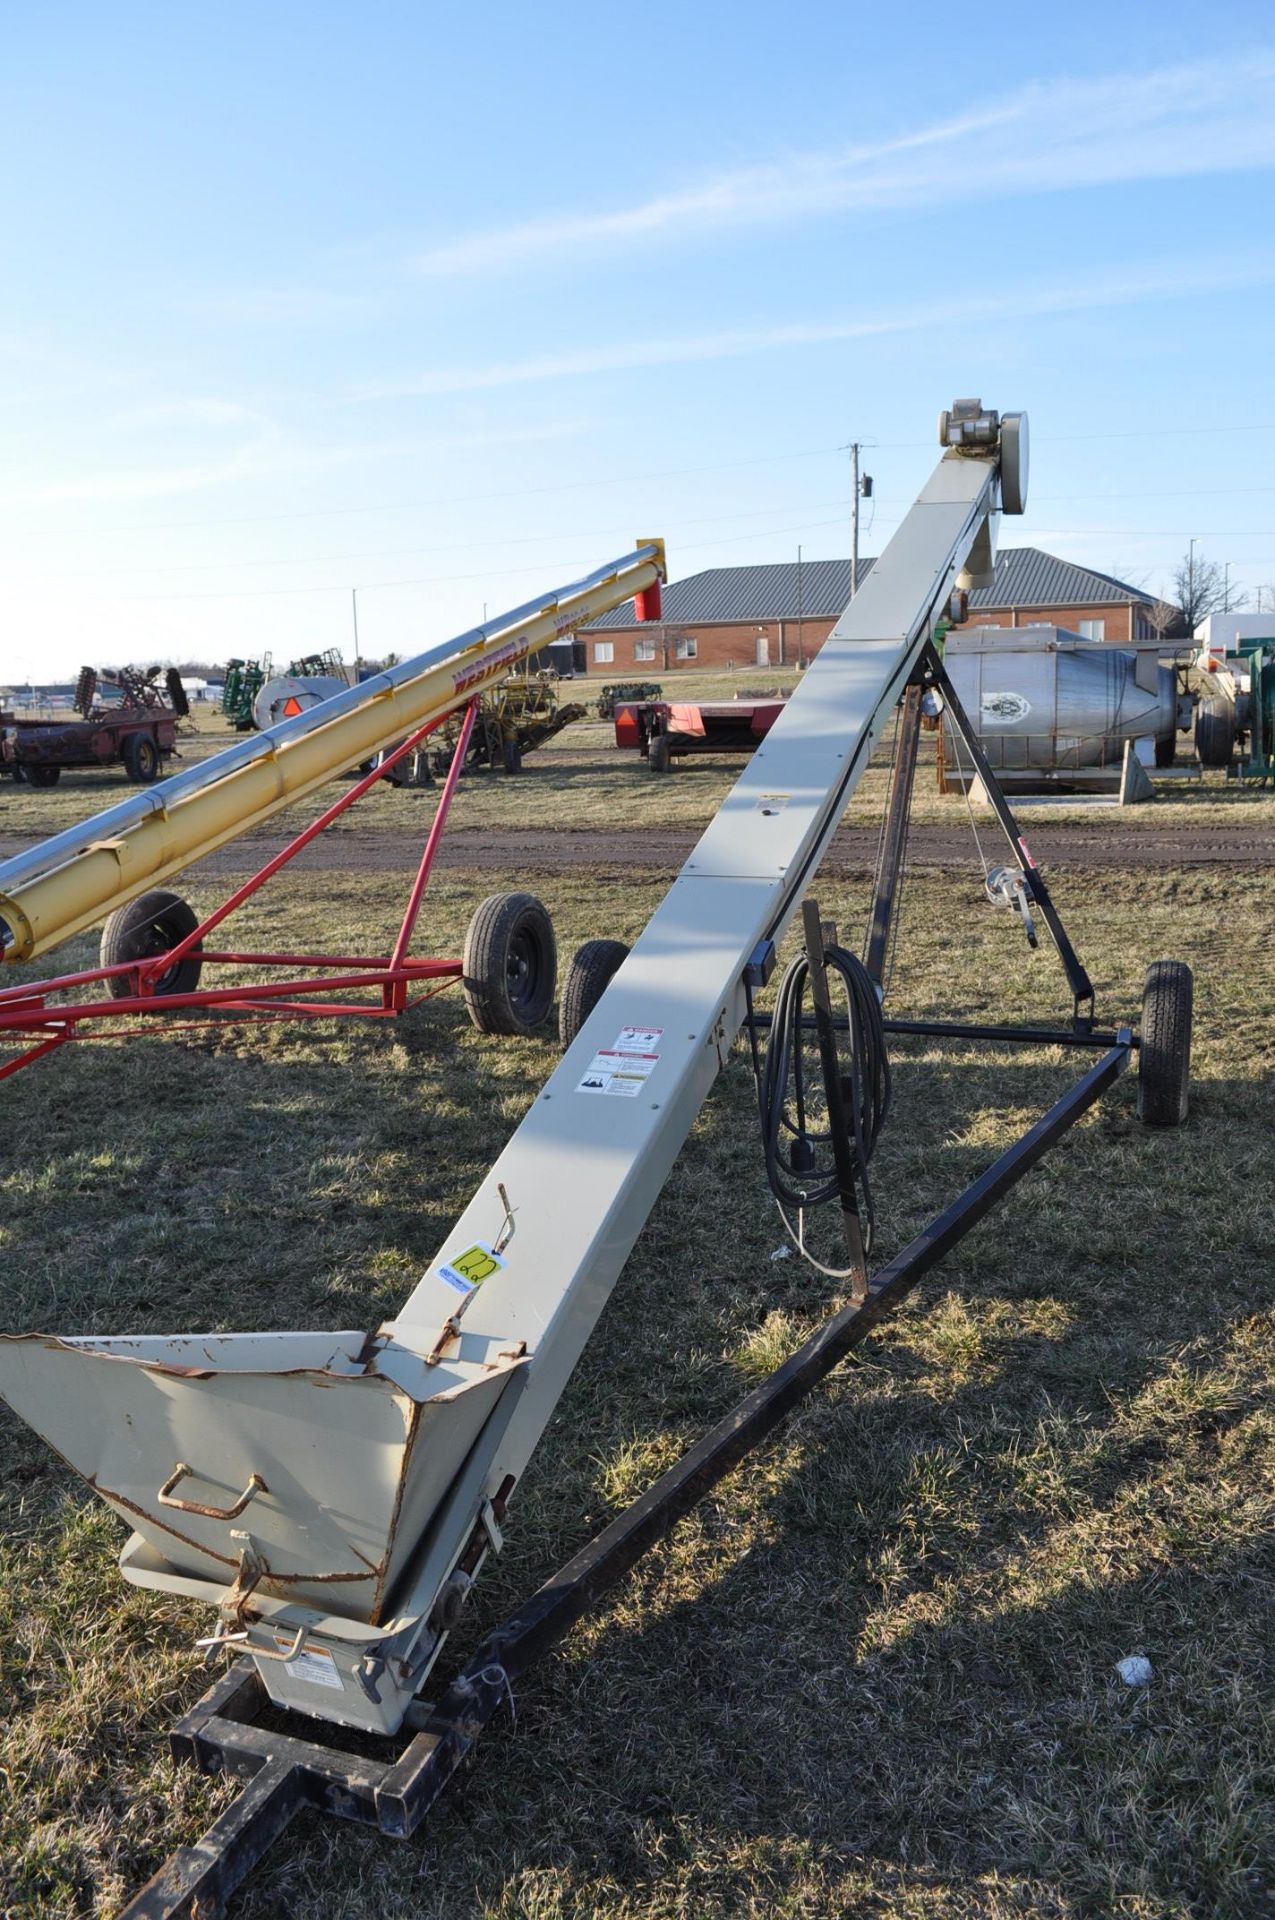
x,y
1044,699
292,693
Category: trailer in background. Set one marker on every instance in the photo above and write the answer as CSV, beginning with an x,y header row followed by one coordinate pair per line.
x,y
137,731
665,730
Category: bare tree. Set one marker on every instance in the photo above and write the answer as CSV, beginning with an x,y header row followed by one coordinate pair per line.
x,y
1202,588
1165,619
1266,598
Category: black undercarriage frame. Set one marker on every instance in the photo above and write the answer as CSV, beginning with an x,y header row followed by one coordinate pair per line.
x,y
285,1772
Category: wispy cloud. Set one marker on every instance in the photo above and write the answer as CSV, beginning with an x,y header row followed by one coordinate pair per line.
x,y
1135,283
190,412
1210,116
149,482
307,305
264,449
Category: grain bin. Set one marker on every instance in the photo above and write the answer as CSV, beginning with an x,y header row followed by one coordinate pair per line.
x,y
1045,700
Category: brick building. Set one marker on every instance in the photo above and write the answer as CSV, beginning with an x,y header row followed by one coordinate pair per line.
x,y
1033,587
780,615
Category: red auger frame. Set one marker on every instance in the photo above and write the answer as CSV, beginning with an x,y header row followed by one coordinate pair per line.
x,y
36,1013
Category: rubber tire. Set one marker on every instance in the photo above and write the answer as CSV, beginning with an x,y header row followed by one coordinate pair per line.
x,y
1164,1057
1215,733
592,969
142,759
511,756
40,776
510,965
1166,750
178,698
659,758
149,925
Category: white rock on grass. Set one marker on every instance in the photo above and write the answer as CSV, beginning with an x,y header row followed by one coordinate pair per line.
x,y
1135,1670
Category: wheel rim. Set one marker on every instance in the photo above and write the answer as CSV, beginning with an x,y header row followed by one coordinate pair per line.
x,y
162,938
522,969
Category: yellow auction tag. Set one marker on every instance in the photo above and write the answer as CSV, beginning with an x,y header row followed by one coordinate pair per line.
x,y
468,1270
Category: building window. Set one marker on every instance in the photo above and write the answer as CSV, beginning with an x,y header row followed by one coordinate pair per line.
x,y
603,652
688,648
1092,629
644,649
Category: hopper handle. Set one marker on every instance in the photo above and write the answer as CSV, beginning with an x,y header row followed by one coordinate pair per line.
x,y
166,1498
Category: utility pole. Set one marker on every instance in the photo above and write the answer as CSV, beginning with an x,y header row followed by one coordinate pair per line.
x,y
1226,589
862,491
354,602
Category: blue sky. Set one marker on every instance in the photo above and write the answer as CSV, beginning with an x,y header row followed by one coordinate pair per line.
x,y
445,305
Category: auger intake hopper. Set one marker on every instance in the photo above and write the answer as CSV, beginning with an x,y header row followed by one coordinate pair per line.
x,y
307,1463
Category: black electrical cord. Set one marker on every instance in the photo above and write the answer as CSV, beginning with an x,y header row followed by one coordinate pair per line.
x,y
799,1176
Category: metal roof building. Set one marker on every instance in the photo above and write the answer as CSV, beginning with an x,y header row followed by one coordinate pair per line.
x,y
1026,577
819,589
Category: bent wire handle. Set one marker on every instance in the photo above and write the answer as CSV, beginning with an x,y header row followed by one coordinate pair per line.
x,y
166,1498
268,1653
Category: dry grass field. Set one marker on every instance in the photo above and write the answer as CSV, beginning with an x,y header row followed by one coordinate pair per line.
x,y
874,1674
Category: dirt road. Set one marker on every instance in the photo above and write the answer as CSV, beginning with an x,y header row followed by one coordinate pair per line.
x,y
1098,844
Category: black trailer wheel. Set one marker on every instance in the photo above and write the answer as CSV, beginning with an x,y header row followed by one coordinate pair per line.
x,y
659,758
592,969
41,776
178,698
1215,732
510,964
1164,1057
141,758
151,924
511,756
1166,749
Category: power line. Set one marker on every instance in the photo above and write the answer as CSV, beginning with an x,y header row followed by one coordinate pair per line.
x,y
1172,493
630,479
392,553
440,500
485,573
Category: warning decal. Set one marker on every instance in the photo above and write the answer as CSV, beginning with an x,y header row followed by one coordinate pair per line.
x,y
639,1039
618,1072
314,1664
465,1271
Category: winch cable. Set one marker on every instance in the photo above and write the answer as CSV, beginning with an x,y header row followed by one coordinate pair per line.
x,y
896,916
796,1178
1004,886
967,787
